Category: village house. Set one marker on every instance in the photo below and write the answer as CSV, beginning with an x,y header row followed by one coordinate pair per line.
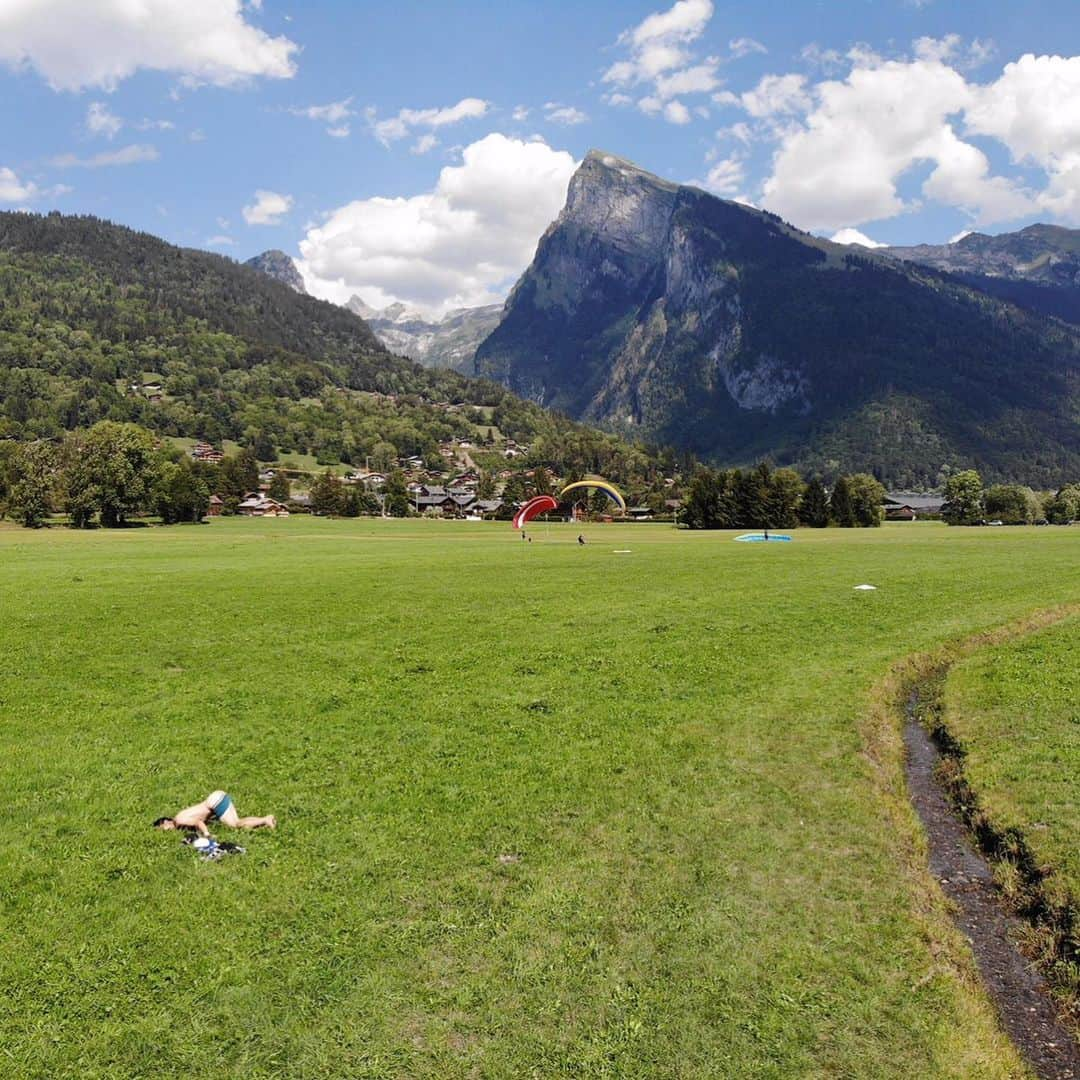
x,y
205,452
903,506
256,504
215,506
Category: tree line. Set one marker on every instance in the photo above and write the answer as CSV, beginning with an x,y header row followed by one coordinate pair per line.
x,y
112,473
767,498
969,502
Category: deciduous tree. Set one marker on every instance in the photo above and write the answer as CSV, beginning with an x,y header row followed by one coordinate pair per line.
x,y
963,498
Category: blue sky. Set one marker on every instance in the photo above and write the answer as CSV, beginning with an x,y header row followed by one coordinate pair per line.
x,y
416,151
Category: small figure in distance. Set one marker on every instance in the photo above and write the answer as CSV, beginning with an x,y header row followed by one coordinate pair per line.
x,y
524,535
217,806
581,539
766,534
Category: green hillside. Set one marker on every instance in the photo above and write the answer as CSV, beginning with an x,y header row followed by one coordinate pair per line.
x,y
100,322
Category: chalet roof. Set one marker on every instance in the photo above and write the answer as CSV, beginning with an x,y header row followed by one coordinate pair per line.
x,y
916,502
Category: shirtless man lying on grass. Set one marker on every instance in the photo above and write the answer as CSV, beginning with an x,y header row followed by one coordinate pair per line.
x,y
217,806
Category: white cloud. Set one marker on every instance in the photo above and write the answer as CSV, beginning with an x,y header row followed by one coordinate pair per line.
x,y
424,144
853,236
940,49
268,208
219,241
14,190
725,178
844,163
777,95
660,54
740,132
99,121
699,79
334,115
675,112
1034,109
128,155
744,46
520,114
400,126
462,243
154,125
555,113
76,44
959,236
827,60
683,21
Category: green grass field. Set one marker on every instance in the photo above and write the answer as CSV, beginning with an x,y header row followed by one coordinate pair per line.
x,y
700,877
1015,709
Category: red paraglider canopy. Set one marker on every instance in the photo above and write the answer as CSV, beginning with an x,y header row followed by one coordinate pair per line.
x,y
540,505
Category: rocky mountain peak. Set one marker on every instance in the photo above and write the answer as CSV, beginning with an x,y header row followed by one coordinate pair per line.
x,y
615,198
280,267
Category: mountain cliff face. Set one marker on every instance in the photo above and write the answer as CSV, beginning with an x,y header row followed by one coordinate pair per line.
x,y
664,311
449,342
280,267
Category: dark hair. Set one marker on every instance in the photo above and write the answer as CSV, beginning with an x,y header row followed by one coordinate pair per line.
x,y
161,821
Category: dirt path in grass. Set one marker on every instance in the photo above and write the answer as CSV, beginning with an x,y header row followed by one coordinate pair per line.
x,y
1018,991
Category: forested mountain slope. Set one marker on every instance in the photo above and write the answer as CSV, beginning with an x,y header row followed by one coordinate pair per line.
x,y
100,322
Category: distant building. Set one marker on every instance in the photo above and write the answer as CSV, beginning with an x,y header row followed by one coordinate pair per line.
x,y
256,504
217,504
904,506
205,452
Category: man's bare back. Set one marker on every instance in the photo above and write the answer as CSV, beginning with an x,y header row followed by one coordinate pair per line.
x,y
217,806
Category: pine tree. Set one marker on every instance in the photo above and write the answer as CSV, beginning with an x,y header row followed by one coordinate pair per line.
x,y
814,510
280,487
840,506
326,495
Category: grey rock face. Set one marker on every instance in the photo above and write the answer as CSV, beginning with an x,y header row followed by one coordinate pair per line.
x,y
1044,254
631,307
280,267
447,342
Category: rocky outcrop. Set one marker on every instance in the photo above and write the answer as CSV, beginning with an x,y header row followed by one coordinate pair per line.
x,y
1043,254
659,310
449,342
280,267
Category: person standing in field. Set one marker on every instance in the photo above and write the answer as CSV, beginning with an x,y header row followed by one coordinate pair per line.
x,y
217,806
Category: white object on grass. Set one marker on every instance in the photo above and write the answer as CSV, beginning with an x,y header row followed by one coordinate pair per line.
x,y
620,551
867,588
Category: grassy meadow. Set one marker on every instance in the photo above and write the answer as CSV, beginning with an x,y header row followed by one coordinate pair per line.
x,y
545,811
1015,709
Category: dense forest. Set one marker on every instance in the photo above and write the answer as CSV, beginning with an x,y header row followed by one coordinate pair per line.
x,y
99,322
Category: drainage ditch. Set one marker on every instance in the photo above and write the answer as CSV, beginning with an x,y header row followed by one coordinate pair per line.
x,y
1020,993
